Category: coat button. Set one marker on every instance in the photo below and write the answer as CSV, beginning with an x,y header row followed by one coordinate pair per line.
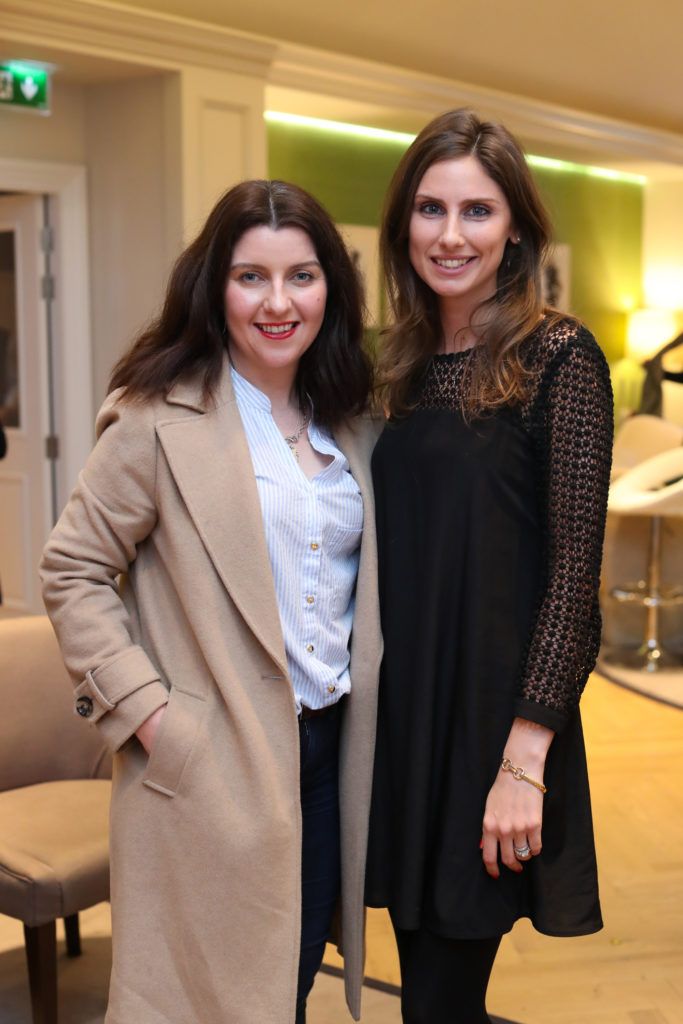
x,y
314,546
84,707
310,599
310,648
331,688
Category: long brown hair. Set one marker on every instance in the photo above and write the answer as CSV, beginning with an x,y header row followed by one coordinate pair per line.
x,y
497,372
188,338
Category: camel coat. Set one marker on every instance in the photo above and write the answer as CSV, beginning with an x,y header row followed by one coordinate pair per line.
x,y
206,832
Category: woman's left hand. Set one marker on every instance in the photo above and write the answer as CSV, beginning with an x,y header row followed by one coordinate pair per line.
x,y
513,818
514,808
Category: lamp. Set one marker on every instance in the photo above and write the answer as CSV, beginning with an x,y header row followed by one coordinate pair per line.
x,y
648,330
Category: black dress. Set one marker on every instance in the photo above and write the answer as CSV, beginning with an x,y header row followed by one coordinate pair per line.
x,y
490,539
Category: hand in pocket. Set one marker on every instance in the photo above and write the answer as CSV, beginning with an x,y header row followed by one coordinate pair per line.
x,y
148,730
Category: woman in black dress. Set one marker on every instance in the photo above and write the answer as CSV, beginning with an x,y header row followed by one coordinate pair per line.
x,y
491,482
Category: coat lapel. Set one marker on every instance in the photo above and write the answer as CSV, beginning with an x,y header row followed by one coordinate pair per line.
x,y
357,441
210,461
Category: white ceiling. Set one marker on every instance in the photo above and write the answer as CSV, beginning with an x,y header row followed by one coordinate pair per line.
x,y
612,58
618,58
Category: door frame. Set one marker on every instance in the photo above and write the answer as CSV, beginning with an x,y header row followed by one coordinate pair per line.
x,y
67,185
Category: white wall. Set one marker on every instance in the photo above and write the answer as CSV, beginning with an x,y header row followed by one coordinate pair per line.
x,y
58,138
663,244
135,209
223,138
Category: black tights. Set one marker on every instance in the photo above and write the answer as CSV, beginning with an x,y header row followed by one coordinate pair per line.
x,y
444,981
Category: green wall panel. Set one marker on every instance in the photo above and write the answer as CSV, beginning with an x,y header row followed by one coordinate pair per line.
x,y
348,175
600,219
602,222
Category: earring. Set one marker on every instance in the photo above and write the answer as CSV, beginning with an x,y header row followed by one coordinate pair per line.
x,y
512,253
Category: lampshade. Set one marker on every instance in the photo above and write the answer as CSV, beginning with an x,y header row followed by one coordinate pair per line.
x,y
648,331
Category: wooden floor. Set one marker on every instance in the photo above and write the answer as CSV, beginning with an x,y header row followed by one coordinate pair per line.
x,y
632,971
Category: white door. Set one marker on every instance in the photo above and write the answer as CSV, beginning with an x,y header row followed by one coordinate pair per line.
x,y
25,495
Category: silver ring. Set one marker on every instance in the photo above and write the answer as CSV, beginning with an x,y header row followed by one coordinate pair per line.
x,y
522,852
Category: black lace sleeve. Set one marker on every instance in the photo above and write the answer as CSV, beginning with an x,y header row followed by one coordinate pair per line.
x,y
572,420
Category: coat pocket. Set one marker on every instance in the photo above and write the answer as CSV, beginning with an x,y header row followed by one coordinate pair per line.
x,y
174,742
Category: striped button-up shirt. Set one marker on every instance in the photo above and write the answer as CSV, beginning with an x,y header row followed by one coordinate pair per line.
x,y
313,531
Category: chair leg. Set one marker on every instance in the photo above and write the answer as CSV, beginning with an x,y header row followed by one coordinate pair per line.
x,y
73,935
41,954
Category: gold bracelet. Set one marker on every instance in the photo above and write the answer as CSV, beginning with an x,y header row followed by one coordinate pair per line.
x,y
520,774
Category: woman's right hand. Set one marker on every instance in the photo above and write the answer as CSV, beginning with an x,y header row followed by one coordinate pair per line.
x,y
148,730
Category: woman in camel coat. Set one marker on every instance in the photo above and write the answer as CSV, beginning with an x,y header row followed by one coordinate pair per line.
x,y
206,832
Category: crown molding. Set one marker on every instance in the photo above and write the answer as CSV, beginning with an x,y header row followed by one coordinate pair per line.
x,y
119,31
297,67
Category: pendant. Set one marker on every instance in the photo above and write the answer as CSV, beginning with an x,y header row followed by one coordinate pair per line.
x,y
291,440
291,444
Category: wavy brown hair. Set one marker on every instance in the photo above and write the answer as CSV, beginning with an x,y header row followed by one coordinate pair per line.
x,y
497,373
188,338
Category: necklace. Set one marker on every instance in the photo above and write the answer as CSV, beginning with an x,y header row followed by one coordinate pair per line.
x,y
291,440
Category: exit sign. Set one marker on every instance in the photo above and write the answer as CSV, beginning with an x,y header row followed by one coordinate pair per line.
x,y
23,86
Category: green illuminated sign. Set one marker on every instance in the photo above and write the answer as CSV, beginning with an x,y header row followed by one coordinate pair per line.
x,y
24,87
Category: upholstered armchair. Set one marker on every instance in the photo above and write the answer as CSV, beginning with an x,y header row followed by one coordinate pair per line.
x,y
54,804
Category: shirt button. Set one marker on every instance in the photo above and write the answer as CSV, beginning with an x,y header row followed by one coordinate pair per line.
x,y
310,599
331,688
314,546
310,648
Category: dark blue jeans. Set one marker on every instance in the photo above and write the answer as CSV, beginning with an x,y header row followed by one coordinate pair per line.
x,y
320,854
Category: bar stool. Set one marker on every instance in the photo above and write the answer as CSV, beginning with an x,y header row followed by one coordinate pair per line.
x,y
639,438
672,401
654,488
